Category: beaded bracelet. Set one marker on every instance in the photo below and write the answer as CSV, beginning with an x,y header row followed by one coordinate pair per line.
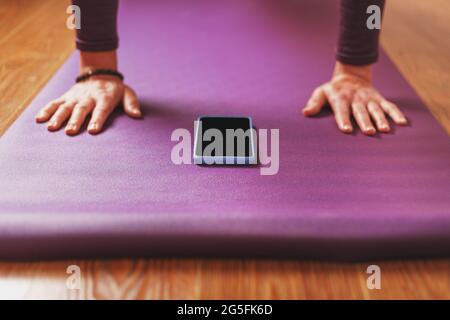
x,y
97,72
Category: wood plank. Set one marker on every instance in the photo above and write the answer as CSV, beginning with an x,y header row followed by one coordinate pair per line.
x,y
224,279
34,42
415,38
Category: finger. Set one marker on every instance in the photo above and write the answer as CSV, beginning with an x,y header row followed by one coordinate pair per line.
x,y
131,103
378,116
61,115
394,112
46,112
341,109
362,118
79,114
102,110
315,103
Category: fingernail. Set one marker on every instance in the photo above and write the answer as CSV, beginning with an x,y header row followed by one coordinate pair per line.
x,y
71,127
347,128
51,124
137,112
385,128
371,131
93,127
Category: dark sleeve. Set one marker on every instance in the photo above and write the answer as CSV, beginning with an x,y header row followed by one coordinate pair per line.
x,y
358,45
98,25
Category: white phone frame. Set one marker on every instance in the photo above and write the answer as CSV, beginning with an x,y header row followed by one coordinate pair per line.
x,y
199,159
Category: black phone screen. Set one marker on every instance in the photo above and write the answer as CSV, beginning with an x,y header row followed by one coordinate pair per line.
x,y
235,132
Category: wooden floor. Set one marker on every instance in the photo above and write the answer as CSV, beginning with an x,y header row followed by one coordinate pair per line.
x,y
33,44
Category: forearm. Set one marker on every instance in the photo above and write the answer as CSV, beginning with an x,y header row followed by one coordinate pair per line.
x,y
358,45
98,25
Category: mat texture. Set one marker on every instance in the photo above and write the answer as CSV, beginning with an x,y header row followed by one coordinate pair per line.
x,y
336,196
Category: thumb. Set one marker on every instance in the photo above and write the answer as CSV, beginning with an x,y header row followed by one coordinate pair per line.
x,y
315,103
131,103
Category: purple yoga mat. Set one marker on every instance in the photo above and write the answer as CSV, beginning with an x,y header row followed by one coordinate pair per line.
x,y
335,197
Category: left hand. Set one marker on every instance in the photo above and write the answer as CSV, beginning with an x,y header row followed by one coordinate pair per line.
x,y
350,92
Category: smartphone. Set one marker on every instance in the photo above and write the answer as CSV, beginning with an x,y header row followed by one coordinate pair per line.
x,y
224,141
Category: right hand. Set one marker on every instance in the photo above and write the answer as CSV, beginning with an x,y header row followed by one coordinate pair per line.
x,y
97,96
351,92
